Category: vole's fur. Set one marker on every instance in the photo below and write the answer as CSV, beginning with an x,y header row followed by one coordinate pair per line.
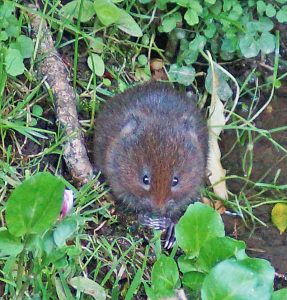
x,y
152,134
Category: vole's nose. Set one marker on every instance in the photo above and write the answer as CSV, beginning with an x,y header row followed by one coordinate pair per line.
x,y
159,203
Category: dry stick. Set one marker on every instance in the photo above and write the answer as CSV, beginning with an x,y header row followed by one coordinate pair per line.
x,y
53,70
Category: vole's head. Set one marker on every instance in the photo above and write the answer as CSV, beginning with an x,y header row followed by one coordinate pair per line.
x,y
157,168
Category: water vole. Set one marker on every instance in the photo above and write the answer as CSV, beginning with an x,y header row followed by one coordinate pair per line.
x,y
151,145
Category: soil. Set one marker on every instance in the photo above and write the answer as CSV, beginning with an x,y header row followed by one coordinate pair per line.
x,y
263,242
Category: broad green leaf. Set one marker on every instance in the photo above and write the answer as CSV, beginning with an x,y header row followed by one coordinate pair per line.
x,y
107,12
186,265
13,28
210,1
96,64
251,279
3,36
270,11
183,75
72,8
229,45
169,22
6,9
249,46
127,24
64,231
280,295
89,287
14,62
25,46
224,91
193,280
267,42
97,44
210,30
217,250
279,216
37,110
191,17
261,7
199,224
34,205
9,244
282,14
164,276
265,24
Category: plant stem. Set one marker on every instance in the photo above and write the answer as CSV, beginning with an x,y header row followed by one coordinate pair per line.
x,y
21,268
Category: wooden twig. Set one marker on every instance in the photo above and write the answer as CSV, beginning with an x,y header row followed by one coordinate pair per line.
x,y
52,69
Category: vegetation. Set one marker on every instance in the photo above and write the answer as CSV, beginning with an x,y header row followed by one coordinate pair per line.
x,y
107,46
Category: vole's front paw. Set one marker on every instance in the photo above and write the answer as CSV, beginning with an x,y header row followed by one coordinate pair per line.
x,y
160,223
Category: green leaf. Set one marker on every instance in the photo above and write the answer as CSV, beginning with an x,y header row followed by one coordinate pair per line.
x,y
37,110
210,30
261,7
14,62
169,22
13,29
199,224
71,10
265,24
267,42
6,9
127,24
3,36
97,44
89,287
251,279
229,45
25,45
217,250
186,265
282,14
183,75
142,59
96,64
107,12
9,244
191,17
224,91
249,46
193,280
164,276
210,1
64,231
270,11
34,205
280,295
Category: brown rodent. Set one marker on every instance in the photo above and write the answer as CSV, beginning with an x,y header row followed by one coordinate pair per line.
x,y
151,145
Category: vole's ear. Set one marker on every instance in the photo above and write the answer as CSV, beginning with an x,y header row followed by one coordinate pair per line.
x,y
129,127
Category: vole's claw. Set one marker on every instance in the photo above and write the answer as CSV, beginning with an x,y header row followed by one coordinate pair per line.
x,y
169,237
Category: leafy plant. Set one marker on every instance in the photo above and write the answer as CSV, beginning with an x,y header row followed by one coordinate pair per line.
x,y
32,240
15,46
213,266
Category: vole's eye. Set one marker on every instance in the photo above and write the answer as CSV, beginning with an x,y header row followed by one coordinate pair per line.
x,y
175,181
146,180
